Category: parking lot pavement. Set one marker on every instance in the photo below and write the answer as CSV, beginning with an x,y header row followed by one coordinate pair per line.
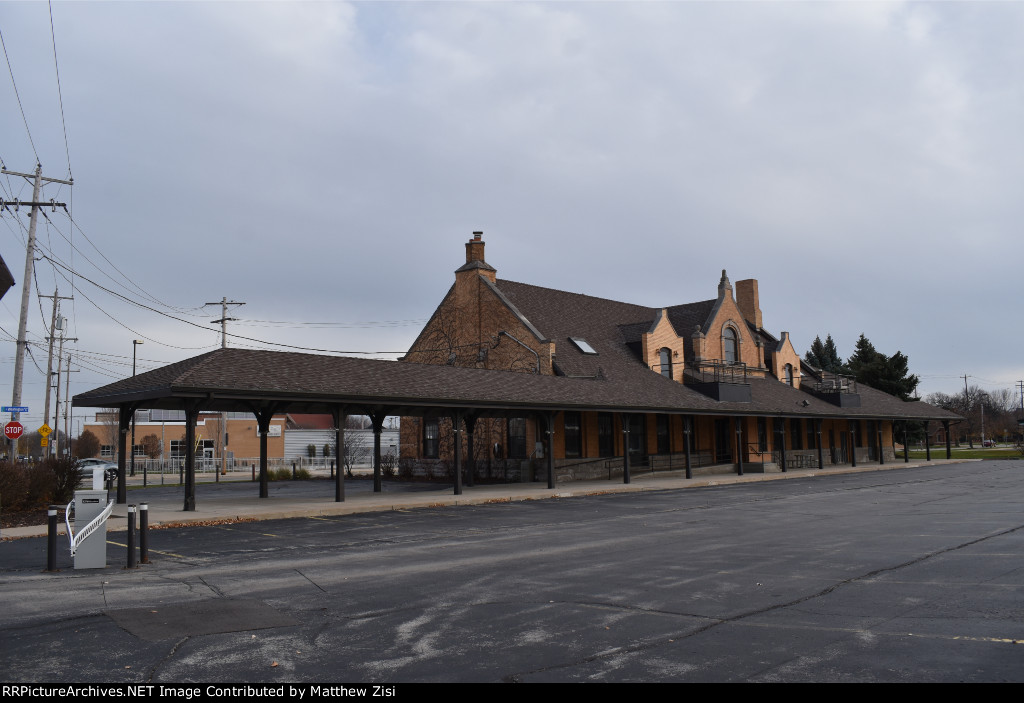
x,y
901,575
238,499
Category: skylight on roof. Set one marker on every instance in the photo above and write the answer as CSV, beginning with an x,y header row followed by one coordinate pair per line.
x,y
583,345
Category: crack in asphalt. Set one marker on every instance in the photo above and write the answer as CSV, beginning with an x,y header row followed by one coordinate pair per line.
x,y
166,657
310,580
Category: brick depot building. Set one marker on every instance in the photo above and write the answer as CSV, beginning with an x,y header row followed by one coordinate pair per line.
x,y
529,382
742,397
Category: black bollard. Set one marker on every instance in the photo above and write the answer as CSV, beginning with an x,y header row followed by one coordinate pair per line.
x,y
144,533
131,537
51,538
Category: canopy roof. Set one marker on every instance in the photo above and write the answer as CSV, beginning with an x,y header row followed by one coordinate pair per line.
x,y
244,380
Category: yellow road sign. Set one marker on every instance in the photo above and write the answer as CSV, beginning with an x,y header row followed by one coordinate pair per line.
x,y
45,430
43,441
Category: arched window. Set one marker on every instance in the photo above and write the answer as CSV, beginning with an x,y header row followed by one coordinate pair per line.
x,y
789,374
730,347
666,362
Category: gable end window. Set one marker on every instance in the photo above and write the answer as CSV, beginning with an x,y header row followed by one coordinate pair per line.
x,y
730,346
665,356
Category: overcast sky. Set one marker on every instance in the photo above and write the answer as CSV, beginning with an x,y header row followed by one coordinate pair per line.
x,y
324,162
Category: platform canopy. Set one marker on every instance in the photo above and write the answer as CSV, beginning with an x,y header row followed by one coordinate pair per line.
x,y
244,379
266,383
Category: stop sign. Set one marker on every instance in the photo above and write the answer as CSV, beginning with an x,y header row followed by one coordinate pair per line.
x,y
13,430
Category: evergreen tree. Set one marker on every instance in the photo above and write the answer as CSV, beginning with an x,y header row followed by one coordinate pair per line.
x,y
825,356
890,374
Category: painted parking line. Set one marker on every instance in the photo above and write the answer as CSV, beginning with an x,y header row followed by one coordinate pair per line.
x,y
155,551
881,633
231,529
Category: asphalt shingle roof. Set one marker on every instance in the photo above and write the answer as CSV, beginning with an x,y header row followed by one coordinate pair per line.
x,y
614,379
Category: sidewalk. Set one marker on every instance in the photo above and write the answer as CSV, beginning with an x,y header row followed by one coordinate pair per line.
x,y
238,498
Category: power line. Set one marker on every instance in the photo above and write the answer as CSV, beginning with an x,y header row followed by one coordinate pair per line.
x,y
137,288
25,119
60,97
135,332
195,324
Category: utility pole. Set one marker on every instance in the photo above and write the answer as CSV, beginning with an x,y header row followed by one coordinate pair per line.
x,y
26,288
67,403
224,302
56,409
49,359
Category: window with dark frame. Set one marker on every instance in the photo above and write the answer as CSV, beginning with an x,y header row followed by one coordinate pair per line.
x,y
796,434
573,436
662,431
517,438
605,434
666,362
431,435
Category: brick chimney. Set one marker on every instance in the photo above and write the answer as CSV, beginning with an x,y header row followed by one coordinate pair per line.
x,y
475,248
747,301
475,259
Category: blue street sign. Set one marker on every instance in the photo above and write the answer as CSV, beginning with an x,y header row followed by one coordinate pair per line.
x,y
14,408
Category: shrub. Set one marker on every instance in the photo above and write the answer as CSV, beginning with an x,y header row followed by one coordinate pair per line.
x,y
302,475
67,474
13,485
405,468
388,464
41,485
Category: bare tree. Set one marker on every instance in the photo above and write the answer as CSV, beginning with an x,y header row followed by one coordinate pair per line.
x,y
110,429
151,446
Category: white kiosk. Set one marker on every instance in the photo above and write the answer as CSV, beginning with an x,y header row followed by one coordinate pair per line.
x,y
89,542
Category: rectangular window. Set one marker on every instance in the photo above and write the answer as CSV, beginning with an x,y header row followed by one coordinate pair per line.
x,y
796,434
159,415
431,435
107,450
762,434
605,434
573,436
517,438
812,436
662,430
178,448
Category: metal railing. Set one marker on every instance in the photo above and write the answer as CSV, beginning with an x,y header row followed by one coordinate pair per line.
x,y
835,383
718,371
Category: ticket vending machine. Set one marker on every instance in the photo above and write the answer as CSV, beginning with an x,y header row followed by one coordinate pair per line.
x,y
89,535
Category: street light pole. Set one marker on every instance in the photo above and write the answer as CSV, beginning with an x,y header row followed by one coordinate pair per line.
x,y
135,346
